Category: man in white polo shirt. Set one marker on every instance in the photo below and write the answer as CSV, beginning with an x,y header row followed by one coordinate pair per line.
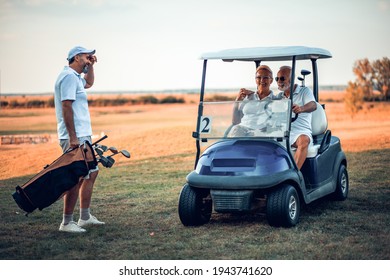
x,y
303,104
74,128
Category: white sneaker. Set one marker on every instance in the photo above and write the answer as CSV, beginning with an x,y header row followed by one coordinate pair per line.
x,y
91,221
71,227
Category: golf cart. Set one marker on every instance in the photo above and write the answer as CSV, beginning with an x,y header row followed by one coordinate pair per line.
x,y
241,172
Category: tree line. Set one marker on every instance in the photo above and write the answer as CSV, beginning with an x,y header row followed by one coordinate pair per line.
x,y
372,83
97,102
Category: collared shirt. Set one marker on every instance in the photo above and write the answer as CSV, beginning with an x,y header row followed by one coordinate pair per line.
x,y
253,112
70,86
302,125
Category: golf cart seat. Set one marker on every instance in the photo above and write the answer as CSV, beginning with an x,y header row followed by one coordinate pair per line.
x,y
321,136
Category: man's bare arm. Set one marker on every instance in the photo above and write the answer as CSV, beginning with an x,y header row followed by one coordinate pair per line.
x,y
67,112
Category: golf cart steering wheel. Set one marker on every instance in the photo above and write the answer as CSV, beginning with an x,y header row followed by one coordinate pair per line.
x,y
294,117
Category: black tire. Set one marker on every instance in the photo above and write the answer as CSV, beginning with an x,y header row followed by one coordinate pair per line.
x,y
342,186
283,206
195,206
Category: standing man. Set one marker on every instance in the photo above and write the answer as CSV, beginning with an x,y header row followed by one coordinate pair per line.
x,y
74,128
303,104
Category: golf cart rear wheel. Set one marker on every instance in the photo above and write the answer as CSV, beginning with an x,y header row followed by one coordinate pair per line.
x,y
195,206
283,206
342,186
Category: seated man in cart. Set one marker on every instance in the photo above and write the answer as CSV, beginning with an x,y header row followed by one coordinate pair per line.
x,y
303,104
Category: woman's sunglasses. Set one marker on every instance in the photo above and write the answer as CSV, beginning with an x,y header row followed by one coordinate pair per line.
x,y
282,79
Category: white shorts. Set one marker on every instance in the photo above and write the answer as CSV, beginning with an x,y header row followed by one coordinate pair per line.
x,y
294,137
65,145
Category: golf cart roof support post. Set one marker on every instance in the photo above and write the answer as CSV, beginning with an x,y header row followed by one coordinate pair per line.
x,y
315,78
197,153
292,79
200,111
203,80
290,113
257,63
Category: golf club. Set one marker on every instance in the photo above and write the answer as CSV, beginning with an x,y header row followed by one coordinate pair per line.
x,y
99,151
107,162
114,151
125,153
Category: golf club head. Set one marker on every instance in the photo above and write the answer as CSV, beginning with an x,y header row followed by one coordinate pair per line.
x,y
99,151
113,150
111,161
107,162
125,153
101,147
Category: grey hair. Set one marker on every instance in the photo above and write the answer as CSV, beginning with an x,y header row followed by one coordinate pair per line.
x,y
285,67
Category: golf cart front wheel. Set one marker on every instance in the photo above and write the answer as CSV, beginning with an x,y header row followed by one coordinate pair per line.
x,y
283,206
195,206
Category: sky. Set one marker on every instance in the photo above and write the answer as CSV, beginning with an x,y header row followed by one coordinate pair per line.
x,y
156,45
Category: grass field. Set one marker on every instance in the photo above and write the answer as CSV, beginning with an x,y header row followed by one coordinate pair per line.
x,y
139,203
138,197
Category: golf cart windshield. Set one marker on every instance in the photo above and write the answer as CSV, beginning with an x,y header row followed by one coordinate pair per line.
x,y
244,119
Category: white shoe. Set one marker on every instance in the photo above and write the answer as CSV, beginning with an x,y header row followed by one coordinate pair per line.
x,y
71,227
91,221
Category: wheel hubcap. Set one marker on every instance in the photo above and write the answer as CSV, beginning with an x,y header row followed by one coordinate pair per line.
x,y
343,183
292,207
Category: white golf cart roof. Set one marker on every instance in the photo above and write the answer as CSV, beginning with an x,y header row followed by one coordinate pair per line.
x,y
268,54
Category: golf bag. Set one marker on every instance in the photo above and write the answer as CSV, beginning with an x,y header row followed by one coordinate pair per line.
x,y
55,179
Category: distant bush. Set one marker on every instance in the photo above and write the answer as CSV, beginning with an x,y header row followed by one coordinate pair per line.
x,y
104,102
15,104
97,102
148,99
4,104
50,102
217,97
171,99
35,103
329,100
354,99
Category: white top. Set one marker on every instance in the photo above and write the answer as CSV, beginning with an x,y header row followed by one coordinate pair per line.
x,y
254,113
302,125
70,86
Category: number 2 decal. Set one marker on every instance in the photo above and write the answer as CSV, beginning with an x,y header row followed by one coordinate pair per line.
x,y
205,125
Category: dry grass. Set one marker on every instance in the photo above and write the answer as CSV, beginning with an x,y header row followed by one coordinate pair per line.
x,y
138,197
139,203
159,130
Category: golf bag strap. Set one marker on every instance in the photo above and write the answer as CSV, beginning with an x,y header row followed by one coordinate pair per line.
x,y
84,151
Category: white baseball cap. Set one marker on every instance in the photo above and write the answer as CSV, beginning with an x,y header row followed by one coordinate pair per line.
x,y
78,50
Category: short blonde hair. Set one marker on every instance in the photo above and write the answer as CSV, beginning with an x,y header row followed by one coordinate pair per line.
x,y
265,67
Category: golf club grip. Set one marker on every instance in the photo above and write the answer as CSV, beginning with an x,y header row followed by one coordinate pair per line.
x,y
99,140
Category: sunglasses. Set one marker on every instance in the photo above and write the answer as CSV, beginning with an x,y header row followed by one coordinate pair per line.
x,y
282,79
